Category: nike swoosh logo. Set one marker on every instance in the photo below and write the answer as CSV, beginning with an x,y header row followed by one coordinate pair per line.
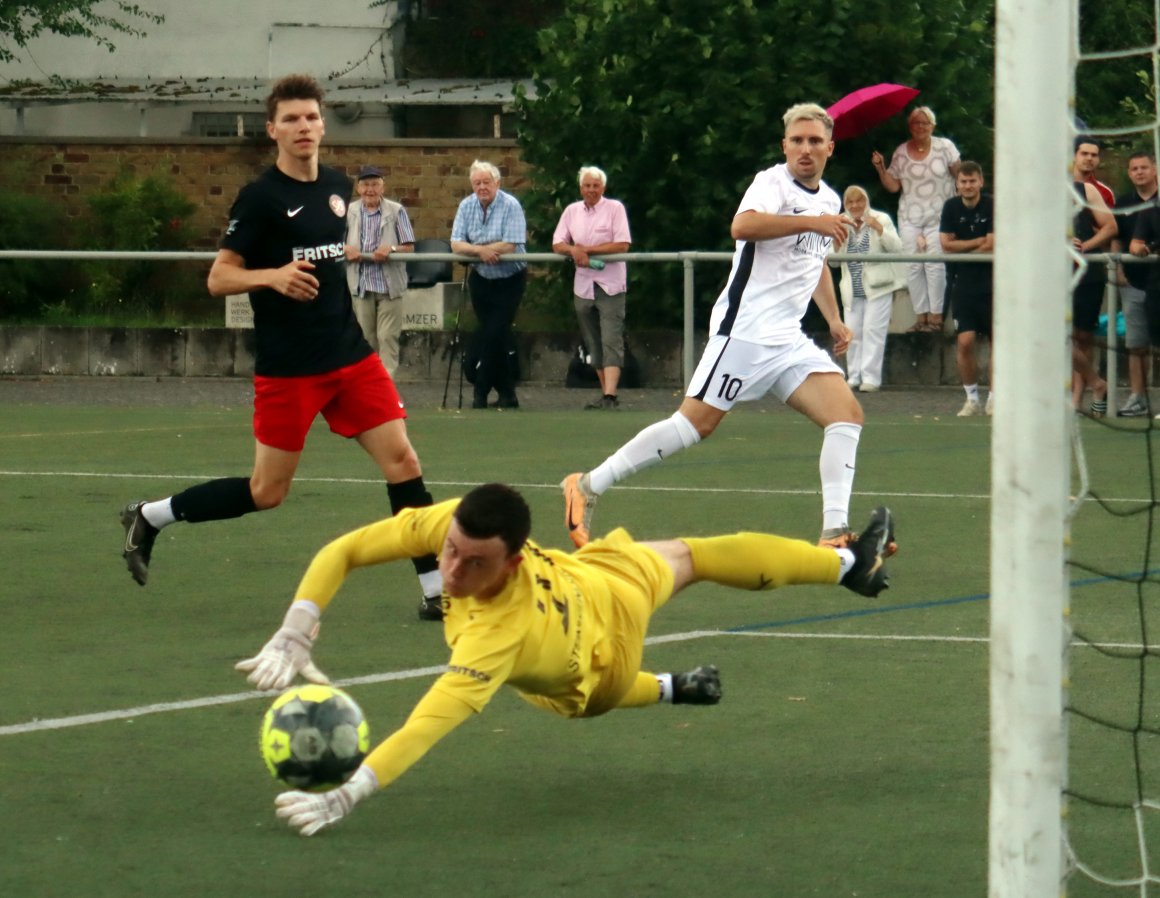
x,y
797,211
290,213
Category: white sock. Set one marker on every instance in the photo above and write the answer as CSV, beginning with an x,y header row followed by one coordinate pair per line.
x,y
159,513
846,559
972,392
665,681
431,583
649,447
836,465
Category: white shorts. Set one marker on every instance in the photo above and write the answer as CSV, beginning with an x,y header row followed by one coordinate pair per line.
x,y
732,370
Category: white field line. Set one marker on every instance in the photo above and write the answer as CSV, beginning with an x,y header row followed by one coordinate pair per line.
x,y
60,723
707,490
99,433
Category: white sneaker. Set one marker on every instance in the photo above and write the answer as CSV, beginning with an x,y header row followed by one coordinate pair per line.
x,y
989,408
1135,407
970,408
869,388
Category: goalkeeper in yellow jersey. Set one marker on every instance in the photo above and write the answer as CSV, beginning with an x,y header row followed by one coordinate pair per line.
x,y
566,630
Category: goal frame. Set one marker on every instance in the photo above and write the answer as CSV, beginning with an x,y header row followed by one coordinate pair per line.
x,y
1030,454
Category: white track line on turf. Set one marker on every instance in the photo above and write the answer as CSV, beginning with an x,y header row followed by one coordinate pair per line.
x,y
705,490
90,433
60,723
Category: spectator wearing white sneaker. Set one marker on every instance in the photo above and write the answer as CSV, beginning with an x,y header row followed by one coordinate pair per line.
x,y
1093,229
967,226
1134,282
1146,242
868,289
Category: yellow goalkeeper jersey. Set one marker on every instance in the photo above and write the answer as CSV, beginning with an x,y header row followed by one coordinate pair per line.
x,y
555,633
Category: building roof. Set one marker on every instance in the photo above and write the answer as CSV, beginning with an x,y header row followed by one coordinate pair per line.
x,y
407,92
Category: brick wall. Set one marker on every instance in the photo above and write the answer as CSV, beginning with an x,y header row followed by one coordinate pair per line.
x,y
428,176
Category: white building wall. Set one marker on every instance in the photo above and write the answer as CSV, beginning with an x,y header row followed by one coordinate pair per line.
x,y
205,39
224,39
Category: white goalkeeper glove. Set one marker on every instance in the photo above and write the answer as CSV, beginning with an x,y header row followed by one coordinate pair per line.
x,y
287,654
308,812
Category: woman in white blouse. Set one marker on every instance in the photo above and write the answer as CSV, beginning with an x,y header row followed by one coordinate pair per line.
x,y
868,289
924,170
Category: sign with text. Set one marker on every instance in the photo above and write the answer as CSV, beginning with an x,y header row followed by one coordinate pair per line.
x,y
422,309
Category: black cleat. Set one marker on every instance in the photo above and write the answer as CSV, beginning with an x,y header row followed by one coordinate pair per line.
x,y
701,686
431,608
869,576
139,537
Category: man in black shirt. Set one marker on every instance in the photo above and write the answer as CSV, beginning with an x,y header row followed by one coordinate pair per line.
x,y
284,246
1134,282
1146,242
1093,228
967,226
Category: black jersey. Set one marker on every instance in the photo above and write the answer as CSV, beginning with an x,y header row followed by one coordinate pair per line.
x,y
970,223
1126,222
1148,230
1083,228
274,221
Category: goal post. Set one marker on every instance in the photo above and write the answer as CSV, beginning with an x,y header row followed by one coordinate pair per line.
x,y
1030,454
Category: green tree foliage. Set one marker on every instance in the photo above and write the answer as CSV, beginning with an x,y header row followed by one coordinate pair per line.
x,y
135,214
1119,91
475,38
28,286
681,103
23,20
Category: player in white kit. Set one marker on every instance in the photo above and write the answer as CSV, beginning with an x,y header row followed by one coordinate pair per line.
x,y
786,225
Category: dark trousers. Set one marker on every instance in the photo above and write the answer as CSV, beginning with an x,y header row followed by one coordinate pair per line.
x,y
495,301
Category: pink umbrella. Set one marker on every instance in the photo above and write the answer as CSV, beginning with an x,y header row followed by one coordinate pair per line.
x,y
858,112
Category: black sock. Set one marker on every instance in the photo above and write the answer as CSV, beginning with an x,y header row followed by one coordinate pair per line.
x,y
214,500
413,494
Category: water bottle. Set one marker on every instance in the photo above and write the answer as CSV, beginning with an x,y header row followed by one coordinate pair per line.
x,y
596,264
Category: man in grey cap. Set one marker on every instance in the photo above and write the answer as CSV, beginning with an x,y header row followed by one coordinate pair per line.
x,y
380,228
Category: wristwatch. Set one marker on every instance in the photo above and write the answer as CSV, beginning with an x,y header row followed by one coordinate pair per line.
x,y
394,248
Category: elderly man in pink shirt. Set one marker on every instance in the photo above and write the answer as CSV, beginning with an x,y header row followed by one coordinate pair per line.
x,y
597,225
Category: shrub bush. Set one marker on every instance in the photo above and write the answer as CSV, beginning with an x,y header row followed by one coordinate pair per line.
x,y
138,214
27,286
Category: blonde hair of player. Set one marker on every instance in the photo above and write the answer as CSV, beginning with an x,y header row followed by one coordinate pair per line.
x,y
808,112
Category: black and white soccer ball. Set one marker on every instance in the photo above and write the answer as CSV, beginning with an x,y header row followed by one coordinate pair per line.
x,y
314,737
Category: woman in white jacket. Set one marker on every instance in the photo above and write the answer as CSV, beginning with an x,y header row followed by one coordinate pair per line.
x,y
868,289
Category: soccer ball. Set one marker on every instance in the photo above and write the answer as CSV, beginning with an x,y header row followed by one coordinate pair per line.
x,y
314,737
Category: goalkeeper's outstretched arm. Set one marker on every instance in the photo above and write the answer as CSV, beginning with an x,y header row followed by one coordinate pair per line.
x,y
436,715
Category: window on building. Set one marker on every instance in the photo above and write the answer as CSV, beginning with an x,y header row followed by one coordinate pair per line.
x,y
454,121
228,124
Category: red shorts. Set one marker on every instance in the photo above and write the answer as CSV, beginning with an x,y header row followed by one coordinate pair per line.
x,y
353,400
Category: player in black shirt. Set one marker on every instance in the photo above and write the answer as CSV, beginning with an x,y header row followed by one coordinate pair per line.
x,y
284,246
967,226
1134,280
1093,228
1146,242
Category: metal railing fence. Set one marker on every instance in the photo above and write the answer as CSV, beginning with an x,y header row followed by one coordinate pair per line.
x,y
687,259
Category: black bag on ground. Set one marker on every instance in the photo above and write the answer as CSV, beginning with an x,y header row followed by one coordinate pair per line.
x,y
582,375
471,358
